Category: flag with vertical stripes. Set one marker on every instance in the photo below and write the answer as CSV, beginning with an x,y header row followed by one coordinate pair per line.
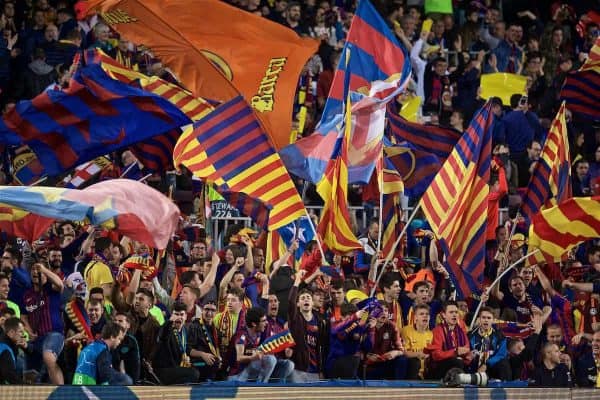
x,y
581,89
378,71
550,181
418,151
156,153
557,229
229,147
390,187
456,203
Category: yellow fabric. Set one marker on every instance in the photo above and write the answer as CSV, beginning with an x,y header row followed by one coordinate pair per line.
x,y
410,108
416,341
502,85
97,274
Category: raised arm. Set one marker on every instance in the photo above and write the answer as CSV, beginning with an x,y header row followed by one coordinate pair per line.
x,y
209,279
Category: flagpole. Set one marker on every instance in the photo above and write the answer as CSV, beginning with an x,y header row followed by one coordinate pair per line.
x,y
489,289
314,230
128,169
380,179
146,177
393,250
42,179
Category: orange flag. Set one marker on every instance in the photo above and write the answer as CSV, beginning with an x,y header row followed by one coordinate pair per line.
x,y
250,54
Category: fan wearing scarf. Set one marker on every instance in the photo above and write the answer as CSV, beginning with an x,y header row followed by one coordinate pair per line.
x,y
450,347
489,347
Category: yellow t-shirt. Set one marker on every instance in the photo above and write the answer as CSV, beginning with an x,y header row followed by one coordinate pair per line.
x,y
96,274
416,341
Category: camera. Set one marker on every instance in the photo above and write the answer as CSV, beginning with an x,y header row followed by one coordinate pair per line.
x,y
456,377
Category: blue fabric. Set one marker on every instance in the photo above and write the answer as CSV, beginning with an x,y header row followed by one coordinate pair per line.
x,y
518,129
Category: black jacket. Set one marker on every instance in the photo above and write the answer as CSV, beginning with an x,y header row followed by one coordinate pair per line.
x,y
8,368
560,376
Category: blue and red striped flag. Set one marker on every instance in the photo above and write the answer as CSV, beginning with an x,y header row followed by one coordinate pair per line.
x,y
156,153
248,206
456,204
94,116
230,148
418,152
377,71
550,181
581,90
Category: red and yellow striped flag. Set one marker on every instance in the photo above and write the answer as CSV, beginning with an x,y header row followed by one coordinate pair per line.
x,y
556,230
456,203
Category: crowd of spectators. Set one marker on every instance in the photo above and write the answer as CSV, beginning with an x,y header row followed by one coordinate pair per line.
x,y
84,306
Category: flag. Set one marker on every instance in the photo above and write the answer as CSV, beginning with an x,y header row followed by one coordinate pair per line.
x,y
85,172
94,116
20,223
229,147
302,230
26,167
111,204
377,71
558,229
277,343
455,204
275,248
417,151
231,51
156,153
502,85
335,227
581,89
249,207
550,181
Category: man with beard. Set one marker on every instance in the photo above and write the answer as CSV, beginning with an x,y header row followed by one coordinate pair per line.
x,y
588,365
126,357
4,302
55,261
97,272
171,359
203,343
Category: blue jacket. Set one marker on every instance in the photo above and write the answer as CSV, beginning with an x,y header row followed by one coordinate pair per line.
x,y
518,129
497,348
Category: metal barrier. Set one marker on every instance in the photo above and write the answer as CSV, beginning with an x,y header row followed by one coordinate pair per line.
x,y
219,225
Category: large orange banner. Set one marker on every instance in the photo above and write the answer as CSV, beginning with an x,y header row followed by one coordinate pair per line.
x,y
259,58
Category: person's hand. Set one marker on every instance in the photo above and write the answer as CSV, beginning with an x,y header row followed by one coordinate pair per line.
x,y
390,355
565,359
536,323
299,276
493,61
208,358
372,357
575,340
294,246
421,355
462,350
12,41
215,259
485,295
458,43
536,310
483,368
258,355
567,283
361,313
372,323
288,352
264,278
246,241
239,262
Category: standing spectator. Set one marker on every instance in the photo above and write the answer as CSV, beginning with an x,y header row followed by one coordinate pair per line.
x,y
308,331
42,314
293,18
581,179
508,54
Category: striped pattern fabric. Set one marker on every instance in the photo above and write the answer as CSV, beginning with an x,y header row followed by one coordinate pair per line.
x,y
558,229
418,151
230,148
581,90
19,223
391,220
550,181
155,153
456,204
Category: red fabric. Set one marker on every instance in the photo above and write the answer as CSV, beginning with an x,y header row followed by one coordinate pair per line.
x,y
310,262
371,189
494,205
324,83
436,348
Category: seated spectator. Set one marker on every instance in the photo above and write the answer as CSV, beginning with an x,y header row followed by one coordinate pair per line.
x,y
250,363
554,370
586,366
489,347
450,347
203,343
171,357
13,339
386,359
